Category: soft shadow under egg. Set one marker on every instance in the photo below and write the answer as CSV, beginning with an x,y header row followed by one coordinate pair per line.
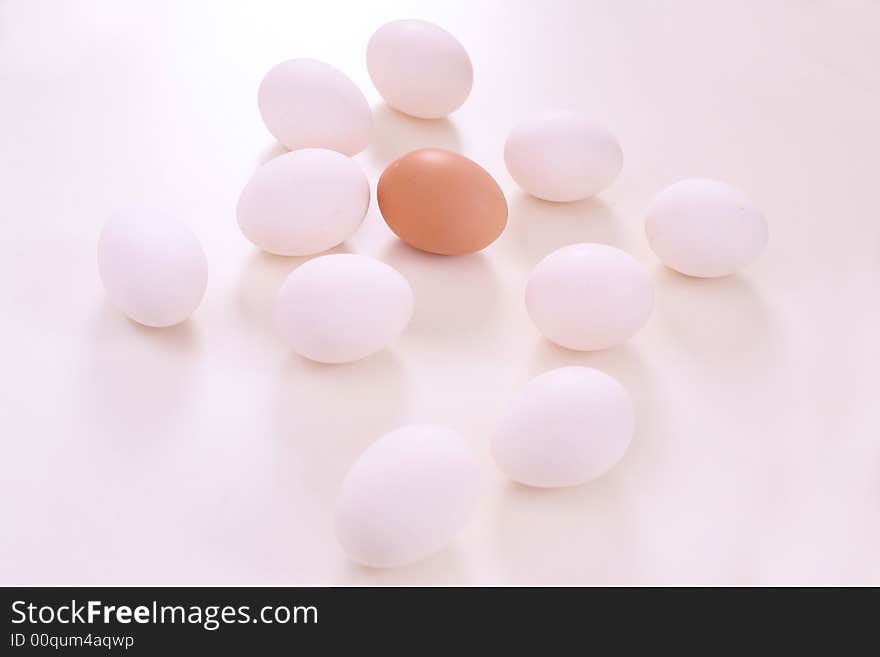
x,y
326,415
536,228
140,376
455,297
395,134
259,282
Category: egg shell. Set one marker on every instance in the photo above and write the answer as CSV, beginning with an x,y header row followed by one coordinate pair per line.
x,y
564,428
419,68
589,296
407,496
705,228
152,266
343,307
441,202
309,104
303,202
562,156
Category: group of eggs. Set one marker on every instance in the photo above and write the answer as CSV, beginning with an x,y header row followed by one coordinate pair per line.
x,y
410,492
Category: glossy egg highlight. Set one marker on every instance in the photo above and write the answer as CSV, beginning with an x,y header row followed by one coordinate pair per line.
x,y
562,156
441,202
564,428
589,296
306,103
343,307
407,496
152,266
419,68
303,202
705,228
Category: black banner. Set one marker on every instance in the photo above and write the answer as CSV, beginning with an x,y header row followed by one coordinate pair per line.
x,y
415,621
153,621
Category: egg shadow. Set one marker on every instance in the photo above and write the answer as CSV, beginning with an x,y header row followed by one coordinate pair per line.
x,y
623,362
270,152
396,134
722,325
579,536
327,415
322,419
455,297
726,345
536,228
723,338
446,568
140,376
259,282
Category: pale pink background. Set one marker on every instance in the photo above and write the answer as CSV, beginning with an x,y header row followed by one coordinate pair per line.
x,y
210,454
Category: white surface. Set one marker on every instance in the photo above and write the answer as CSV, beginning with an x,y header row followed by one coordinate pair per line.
x,y
211,454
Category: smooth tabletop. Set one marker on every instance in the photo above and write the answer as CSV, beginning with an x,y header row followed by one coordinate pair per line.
x,y
210,454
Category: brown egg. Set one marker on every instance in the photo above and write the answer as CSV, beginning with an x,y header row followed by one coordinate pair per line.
x,y
441,202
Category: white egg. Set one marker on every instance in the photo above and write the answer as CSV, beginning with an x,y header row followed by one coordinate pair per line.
x,y
304,202
309,104
589,296
152,266
705,228
562,156
564,428
343,307
419,68
407,496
